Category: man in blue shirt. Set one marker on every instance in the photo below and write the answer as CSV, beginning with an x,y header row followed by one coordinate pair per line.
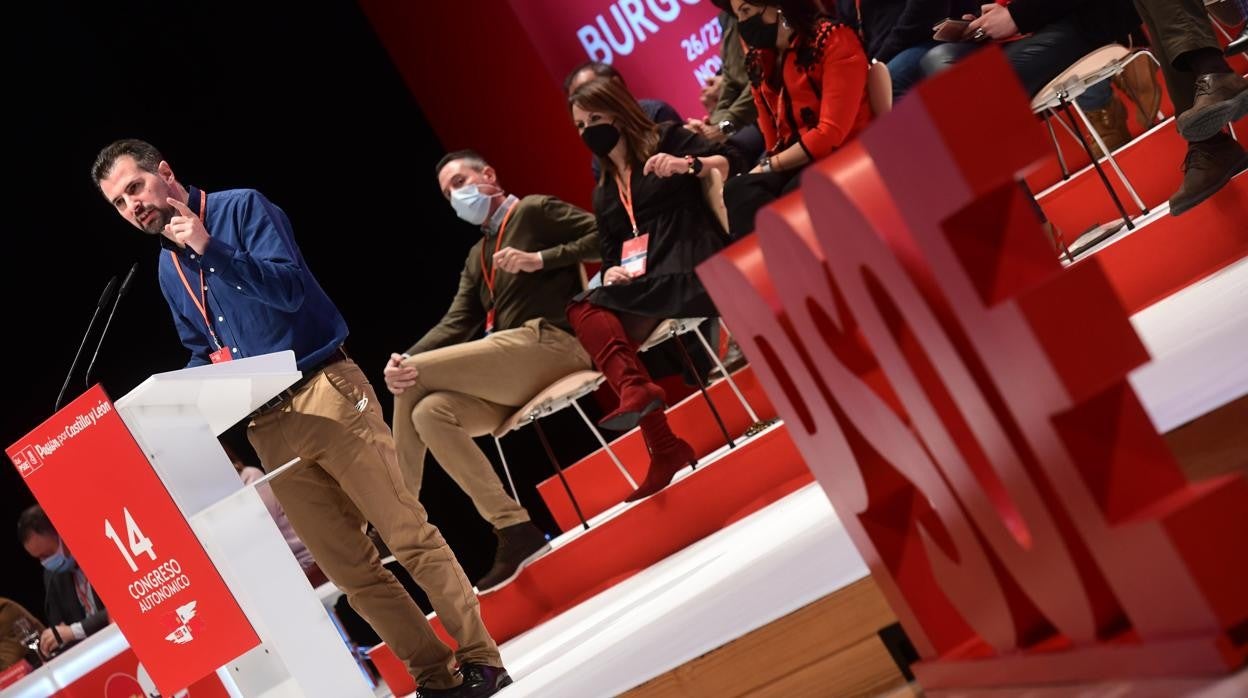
x,y
238,286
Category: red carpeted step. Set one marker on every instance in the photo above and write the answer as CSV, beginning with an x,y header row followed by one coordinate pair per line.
x,y
738,483
1152,163
598,484
1171,252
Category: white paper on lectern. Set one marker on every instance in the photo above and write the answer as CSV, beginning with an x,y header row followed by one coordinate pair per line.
x,y
224,393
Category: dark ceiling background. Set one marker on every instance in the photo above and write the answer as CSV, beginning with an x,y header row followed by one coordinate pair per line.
x,y
298,100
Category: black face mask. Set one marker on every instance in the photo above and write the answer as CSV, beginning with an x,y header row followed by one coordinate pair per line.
x,y
601,138
758,33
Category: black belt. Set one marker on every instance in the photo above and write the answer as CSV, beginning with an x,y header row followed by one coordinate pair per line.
x,y
278,400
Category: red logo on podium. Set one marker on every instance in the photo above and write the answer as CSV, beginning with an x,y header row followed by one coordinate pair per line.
x,y
27,461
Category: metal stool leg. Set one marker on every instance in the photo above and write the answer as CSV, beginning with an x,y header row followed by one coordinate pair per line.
x,y
731,383
684,355
1113,162
606,446
1065,106
515,494
1057,147
550,453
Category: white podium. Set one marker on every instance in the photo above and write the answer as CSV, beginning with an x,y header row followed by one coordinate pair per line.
x,y
176,417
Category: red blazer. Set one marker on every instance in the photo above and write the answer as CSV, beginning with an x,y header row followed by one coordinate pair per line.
x,y
821,99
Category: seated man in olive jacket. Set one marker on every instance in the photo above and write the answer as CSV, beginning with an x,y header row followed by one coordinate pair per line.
x,y
71,606
504,339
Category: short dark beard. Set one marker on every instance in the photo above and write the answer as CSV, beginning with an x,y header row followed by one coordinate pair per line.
x,y
157,226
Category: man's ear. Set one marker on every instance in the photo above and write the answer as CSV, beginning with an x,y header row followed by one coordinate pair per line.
x,y
165,171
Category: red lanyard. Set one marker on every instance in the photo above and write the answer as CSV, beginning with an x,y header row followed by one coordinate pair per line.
x,y
201,303
83,587
502,228
625,188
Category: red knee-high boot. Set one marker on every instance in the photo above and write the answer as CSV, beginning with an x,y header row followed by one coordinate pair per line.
x,y
668,454
604,338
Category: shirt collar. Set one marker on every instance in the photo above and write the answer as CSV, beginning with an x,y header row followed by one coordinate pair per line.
x,y
495,221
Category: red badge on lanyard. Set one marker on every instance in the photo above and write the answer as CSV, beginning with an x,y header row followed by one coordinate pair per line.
x,y
633,254
222,352
489,275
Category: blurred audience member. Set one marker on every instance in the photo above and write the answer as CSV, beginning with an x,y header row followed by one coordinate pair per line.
x,y
1041,38
809,79
15,621
733,115
898,33
71,606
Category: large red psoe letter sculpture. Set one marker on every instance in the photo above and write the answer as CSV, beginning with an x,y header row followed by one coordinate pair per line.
x,y
929,355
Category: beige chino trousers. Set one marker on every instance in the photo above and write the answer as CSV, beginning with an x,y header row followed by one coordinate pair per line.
x,y
468,390
348,476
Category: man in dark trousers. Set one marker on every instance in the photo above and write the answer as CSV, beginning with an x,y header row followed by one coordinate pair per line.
x,y
1207,95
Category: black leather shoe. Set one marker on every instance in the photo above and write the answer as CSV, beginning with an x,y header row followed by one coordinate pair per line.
x,y
518,545
456,692
1208,167
481,680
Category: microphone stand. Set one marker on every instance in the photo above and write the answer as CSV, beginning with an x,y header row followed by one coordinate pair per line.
x,y
104,297
125,285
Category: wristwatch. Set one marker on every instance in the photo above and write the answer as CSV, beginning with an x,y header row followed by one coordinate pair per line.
x,y
695,165
765,163
727,128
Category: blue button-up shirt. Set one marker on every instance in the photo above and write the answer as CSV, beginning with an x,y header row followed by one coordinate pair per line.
x,y
261,296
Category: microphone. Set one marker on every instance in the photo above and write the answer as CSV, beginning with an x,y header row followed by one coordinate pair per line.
x,y
108,293
125,285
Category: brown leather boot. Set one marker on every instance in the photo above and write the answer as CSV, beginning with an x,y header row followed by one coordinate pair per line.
x,y
1220,99
1208,167
1139,83
1111,125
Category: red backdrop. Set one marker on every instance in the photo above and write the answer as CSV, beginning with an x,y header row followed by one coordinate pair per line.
x,y
666,49
489,74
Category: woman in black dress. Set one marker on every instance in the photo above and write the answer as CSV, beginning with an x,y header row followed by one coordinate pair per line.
x,y
655,226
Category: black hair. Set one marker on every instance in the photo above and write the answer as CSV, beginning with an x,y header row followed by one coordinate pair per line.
x,y
473,157
33,521
600,70
145,155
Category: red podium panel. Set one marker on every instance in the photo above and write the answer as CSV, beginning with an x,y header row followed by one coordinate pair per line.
x,y
122,677
119,522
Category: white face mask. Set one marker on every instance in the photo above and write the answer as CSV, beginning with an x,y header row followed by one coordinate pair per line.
x,y
471,204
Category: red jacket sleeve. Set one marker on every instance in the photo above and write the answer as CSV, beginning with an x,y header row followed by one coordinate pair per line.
x,y
844,83
766,119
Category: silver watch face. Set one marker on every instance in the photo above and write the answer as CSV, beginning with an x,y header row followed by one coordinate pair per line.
x,y
727,128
